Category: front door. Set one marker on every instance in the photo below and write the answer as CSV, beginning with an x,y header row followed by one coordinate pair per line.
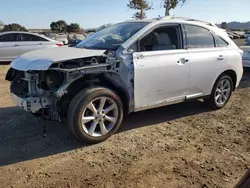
x,y
161,69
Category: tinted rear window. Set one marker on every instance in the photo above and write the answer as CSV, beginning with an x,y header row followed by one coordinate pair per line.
x,y
28,37
198,37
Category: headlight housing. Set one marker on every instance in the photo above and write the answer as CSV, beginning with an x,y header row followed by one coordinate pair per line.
x,y
51,80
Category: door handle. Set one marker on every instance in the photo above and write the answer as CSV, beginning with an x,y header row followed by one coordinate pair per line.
x,y
16,45
220,57
182,61
140,56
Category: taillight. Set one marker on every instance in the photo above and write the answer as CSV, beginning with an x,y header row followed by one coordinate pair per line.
x,y
59,44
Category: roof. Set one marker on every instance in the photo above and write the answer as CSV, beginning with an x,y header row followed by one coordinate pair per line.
x,y
23,32
9,32
175,19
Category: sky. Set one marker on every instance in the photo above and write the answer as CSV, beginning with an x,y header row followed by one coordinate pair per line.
x,y
34,14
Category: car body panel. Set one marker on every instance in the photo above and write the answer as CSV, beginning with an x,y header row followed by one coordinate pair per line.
x,y
44,58
154,78
246,56
160,77
206,65
10,50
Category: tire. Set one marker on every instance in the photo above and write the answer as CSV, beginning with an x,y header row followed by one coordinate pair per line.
x,y
213,101
86,105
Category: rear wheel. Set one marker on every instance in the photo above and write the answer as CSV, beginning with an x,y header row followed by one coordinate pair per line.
x,y
95,114
221,92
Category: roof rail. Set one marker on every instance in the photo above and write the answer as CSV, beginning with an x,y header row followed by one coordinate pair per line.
x,y
186,19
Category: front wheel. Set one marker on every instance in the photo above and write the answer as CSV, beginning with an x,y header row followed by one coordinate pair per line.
x,y
221,92
95,114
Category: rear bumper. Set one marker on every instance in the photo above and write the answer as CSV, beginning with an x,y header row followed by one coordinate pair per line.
x,y
31,104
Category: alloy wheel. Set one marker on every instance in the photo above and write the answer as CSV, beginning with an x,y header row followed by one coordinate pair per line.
x,y
100,116
222,92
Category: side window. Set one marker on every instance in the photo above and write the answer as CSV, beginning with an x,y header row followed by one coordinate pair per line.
x,y
163,38
220,42
28,37
198,37
8,38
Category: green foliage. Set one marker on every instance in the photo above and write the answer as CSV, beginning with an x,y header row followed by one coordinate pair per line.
x,y
224,25
141,6
73,28
138,16
1,25
14,27
59,26
171,4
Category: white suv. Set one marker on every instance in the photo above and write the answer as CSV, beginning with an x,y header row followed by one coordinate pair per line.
x,y
127,67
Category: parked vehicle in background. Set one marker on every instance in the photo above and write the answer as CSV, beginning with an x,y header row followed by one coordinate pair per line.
x,y
247,34
248,41
241,34
125,68
230,35
236,34
61,37
246,56
13,44
76,38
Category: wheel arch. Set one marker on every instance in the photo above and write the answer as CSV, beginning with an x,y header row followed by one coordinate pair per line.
x,y
230,73
109,80
233,76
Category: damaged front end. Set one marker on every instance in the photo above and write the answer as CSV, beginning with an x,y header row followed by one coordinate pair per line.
x,y
41,91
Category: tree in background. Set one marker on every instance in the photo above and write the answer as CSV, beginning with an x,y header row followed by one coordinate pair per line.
x,y
171,4
224,25
138,16
141,6
1,25
73,28
14,27
59,26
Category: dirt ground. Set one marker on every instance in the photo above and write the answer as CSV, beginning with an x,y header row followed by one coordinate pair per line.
x,y
184,145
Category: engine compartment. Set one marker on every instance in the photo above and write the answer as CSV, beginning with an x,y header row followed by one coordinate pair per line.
x,y
44,89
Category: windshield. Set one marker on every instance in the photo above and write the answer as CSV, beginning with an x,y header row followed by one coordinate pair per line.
x,y
112,37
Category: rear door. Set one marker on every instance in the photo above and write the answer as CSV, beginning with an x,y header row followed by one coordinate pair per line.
x,y
207,60
9,47
30,42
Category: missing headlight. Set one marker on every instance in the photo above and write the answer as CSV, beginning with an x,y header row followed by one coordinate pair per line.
x,y
51,80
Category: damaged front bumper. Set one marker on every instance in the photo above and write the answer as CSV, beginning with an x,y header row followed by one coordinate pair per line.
x,y
31,104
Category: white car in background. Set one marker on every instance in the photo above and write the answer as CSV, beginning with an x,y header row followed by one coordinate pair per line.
x,y
61,37
14,44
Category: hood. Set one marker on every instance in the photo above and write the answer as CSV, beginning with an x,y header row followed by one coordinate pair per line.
x,y
44,58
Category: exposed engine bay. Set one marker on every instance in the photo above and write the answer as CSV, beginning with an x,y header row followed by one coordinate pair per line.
x,y
41,91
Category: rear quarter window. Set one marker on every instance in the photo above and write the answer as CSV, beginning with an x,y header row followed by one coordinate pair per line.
x,y
220,42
